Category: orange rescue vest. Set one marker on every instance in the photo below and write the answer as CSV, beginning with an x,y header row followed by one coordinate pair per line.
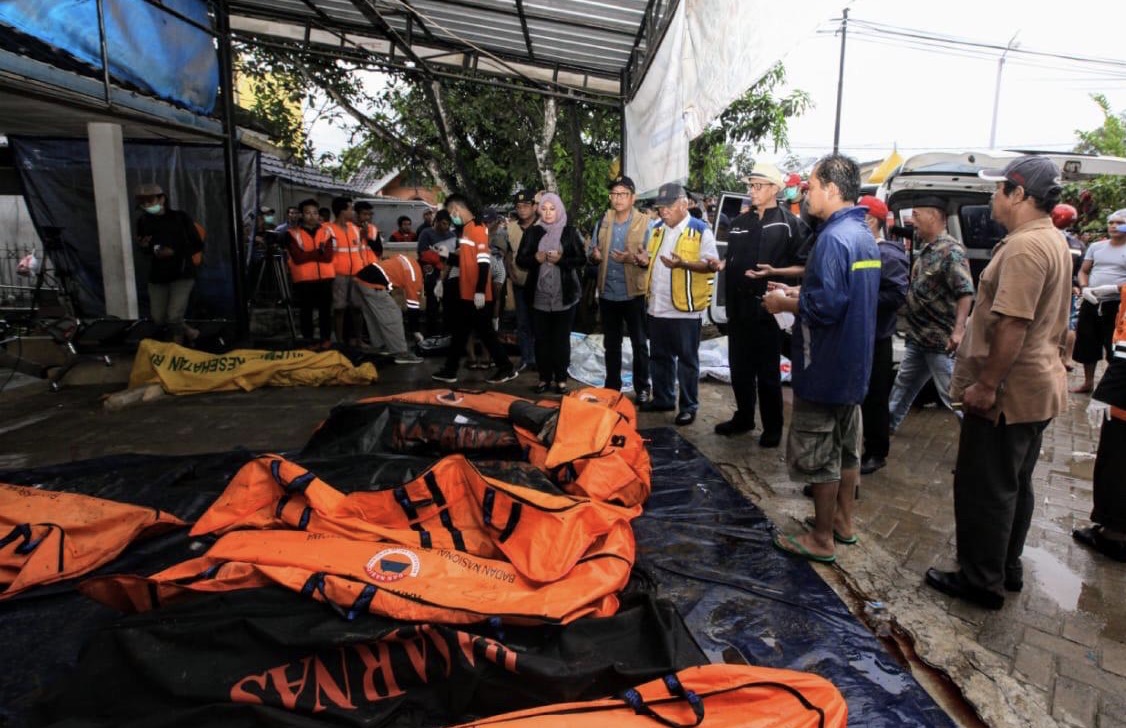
x,y
351,253
314,270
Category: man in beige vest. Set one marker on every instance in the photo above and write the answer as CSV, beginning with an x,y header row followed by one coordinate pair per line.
x,y
525,206
619,245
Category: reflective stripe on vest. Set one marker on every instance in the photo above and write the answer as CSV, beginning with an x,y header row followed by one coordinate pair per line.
x,y
351,254
313,270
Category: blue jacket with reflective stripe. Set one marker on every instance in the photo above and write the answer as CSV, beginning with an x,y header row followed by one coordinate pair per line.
x,y
836,324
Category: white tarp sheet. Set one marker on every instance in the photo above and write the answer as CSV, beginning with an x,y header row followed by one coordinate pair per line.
x,y
713,51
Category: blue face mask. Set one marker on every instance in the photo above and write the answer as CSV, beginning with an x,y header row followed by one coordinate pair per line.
x,y
456,219
268,219
790,193
152,209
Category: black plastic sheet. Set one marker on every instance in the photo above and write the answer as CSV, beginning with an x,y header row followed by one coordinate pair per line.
x,y
708,548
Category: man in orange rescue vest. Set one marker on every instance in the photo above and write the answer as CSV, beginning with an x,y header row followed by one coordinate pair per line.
x,y
349,258
310,266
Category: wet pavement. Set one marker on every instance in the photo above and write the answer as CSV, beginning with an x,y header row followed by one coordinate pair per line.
x,y
1054,655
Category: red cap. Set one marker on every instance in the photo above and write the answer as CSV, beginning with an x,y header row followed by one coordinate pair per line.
x,y
876,206
793,180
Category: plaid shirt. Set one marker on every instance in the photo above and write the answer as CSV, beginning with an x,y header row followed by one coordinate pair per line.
x,y
940,278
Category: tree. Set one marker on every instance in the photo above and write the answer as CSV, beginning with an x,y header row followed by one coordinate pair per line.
x,y
719,155
1101,196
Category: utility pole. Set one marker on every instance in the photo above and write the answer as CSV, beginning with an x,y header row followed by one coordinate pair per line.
x,y
840,84
997,89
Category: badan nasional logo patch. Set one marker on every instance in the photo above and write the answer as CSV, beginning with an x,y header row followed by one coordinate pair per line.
x,y
392,565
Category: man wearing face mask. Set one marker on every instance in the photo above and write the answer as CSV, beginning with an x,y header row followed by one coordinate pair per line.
x,y
173,240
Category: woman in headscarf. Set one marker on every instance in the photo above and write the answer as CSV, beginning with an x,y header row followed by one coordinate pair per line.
x,y
553,253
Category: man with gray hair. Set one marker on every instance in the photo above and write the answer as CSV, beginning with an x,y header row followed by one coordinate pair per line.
x,y
1010,378
682,260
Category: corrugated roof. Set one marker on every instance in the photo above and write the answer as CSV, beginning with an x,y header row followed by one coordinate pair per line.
x,y
591,49
273,167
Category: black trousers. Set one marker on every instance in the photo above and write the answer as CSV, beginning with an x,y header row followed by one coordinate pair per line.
x,y
553,343
1110,477
433,325
754,350
628,316
993,498
875,407
312,295
1094,332
465,318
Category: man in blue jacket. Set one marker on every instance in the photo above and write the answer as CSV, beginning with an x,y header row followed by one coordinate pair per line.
x,y
834,336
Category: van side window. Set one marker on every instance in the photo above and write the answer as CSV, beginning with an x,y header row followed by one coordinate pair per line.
x,y
979,229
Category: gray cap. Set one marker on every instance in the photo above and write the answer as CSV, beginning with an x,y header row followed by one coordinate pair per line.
x,y
1039,176
669,193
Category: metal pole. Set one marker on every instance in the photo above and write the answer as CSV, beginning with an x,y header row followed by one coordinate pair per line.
x,y
105,49
230,160
997,91
622,111
840,84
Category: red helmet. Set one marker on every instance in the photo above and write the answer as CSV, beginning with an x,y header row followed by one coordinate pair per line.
x,y
1064,216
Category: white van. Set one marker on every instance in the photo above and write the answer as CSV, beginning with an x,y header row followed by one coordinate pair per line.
x,y
953,177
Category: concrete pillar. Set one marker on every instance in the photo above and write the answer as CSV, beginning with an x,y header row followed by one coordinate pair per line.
x,y
113,203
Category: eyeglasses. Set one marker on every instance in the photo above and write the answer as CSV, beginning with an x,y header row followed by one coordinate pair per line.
x,y
756,186
619,195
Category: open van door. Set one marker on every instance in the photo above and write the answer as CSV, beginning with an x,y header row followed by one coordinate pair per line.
x,y
730,203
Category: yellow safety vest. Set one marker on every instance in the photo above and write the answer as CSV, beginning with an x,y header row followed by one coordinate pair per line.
x,y
690,291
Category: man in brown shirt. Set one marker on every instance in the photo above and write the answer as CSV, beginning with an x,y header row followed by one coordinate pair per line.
x,y
1010,381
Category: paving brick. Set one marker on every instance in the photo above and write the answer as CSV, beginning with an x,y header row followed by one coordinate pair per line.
x,y
1002,636
1113,656
1034,665
1083,629
1060,646
1074,703
1091,674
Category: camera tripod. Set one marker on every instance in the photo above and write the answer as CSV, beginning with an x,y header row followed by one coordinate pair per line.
x,y
273,265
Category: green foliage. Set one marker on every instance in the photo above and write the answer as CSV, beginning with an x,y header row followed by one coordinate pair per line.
x,y
1103,195
725,149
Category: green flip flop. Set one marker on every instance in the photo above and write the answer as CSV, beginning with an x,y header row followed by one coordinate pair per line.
x,y
799,550
850,541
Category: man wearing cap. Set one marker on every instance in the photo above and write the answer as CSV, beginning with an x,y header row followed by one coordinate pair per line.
x,y
681,275
938,302
524,203
769,243
172,238
619,247
834,333
1102,272
894,265
1011,381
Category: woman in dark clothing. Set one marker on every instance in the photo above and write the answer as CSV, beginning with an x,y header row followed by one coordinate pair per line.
x,y
553,253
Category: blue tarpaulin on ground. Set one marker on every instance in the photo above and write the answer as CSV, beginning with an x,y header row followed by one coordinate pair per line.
x,y
146,47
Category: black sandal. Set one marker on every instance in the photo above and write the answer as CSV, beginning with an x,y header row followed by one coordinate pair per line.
x,y
541,387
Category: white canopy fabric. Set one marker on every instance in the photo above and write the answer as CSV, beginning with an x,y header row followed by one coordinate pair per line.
x,y
712,52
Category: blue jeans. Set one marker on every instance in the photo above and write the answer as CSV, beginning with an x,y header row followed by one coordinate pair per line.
x,y
674,359
918,366
524,327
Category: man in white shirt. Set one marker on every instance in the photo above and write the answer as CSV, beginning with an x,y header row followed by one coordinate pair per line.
x,y
682,260
1103,271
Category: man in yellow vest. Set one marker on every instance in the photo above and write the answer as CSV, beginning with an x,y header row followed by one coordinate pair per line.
x,y
683,262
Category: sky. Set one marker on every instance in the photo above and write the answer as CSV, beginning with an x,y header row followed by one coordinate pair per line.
x,y
941,99
920,99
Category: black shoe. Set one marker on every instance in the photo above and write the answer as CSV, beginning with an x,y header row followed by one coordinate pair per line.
x,y
503,375
951,583
1093,537
734,426
770,439
869,465
445,375
685,418
541,387
1014,583
644,396
654,407
561,388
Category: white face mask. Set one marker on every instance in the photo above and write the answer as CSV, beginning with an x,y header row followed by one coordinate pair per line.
x,y
152,209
